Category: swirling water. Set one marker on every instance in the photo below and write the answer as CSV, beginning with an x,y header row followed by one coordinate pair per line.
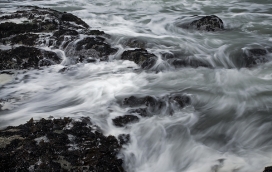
x,y
227,126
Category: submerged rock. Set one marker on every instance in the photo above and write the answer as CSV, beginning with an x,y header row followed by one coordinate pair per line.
x,y
58,145
253,57
26,58
141,57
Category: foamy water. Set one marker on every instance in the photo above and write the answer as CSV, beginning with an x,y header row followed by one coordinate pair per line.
x,y
227,126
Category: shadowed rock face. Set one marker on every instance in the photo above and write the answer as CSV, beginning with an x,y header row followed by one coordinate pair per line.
x,y
141,57
26,58
208,23
59,145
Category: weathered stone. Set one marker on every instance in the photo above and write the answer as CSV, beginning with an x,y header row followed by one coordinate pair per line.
x,y
39,146
94,47
208,23
26,39
141,57
8,28
26,58
122,121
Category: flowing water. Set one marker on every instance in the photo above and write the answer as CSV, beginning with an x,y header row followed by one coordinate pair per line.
x,y
227,126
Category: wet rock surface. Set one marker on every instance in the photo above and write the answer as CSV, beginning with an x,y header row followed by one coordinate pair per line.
x,y
203,23
94,47
27,58
44,27
149,105
141,57
268,169
208,23
254,57
59,145
121,121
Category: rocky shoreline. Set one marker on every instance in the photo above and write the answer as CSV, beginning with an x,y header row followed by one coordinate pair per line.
x,y
31,38
58,145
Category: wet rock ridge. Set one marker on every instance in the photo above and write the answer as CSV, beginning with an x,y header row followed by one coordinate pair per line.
x,y
59,145
147,106
209,23
33,29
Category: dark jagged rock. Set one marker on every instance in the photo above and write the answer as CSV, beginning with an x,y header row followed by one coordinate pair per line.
x,y
253,57
268,169
208,23
72,18
58,30
58,145
40,20
26,58
8,28
121,121
141,57
26,39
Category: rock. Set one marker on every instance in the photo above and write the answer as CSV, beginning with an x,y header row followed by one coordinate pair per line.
x,y
141,57
94,47
208,23
268,169
72,18
253,57
133,101
58,145
148,105
124,138
26,58
182,101
121,121
58,30
7,29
